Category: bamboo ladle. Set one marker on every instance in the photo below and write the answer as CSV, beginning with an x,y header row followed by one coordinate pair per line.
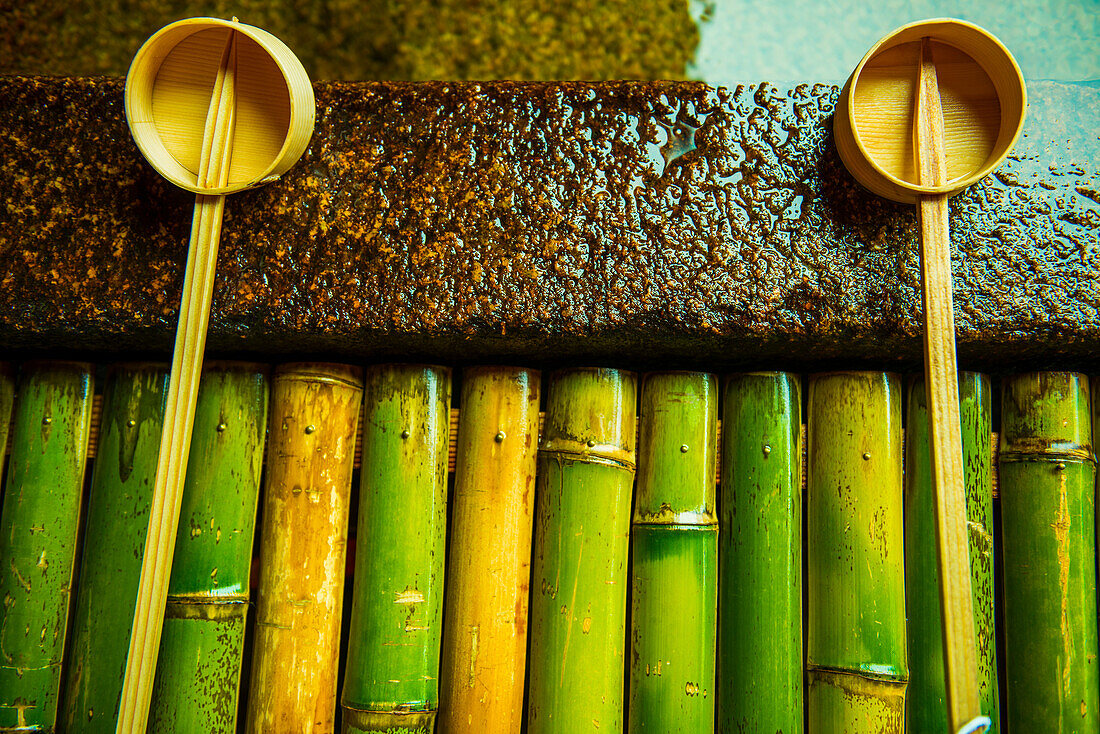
x,y
932,108
216,106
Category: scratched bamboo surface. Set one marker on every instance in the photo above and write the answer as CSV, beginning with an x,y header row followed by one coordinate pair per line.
x,y
202,645
1048,531
39,531
391,679
760,546
674,546
489,567
312,422
926,704
114,539
855,621
578,567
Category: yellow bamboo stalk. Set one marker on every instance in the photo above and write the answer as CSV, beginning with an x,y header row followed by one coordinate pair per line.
x,y
314,414
485,636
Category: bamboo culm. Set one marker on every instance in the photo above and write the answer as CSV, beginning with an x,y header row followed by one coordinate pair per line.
x,y
114,540
760,546
199,666
1048,532
489,563
313,418
579,555
39,528
855,638
674,540
391,680
926,703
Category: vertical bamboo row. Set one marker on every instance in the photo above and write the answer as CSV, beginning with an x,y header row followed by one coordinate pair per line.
x,y
760,546
1047,483
114,539
855,637
578,574
674,580
314,414
927,704
38,538
201,649
391,679
489,565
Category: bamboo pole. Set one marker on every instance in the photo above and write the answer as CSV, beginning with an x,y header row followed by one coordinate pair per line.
x,y
760,547
39,530
391,679
198,670
118,506
855,621
578,568
1049,547
303,541
489,564
7,401
674,578
941,378
926,705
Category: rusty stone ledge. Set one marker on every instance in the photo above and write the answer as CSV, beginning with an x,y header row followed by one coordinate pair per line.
x,y
621,222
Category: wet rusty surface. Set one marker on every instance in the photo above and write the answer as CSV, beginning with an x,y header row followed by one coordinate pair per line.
x,y
625,222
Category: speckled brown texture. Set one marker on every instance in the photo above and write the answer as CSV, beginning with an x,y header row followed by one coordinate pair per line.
x,y
621,222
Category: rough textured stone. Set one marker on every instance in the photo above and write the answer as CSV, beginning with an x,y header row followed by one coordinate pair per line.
x,y
623,222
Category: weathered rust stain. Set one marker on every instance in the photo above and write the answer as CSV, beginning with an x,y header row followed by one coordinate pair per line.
x,y
409,596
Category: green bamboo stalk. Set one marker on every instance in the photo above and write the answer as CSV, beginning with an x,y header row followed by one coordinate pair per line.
x,y
674,581
114,540
760,547
202,646
578,574
927,692
1047,482
391,679
855,637
39,530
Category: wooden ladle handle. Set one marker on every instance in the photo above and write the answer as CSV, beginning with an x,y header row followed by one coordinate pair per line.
x,y
941,378
183,385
